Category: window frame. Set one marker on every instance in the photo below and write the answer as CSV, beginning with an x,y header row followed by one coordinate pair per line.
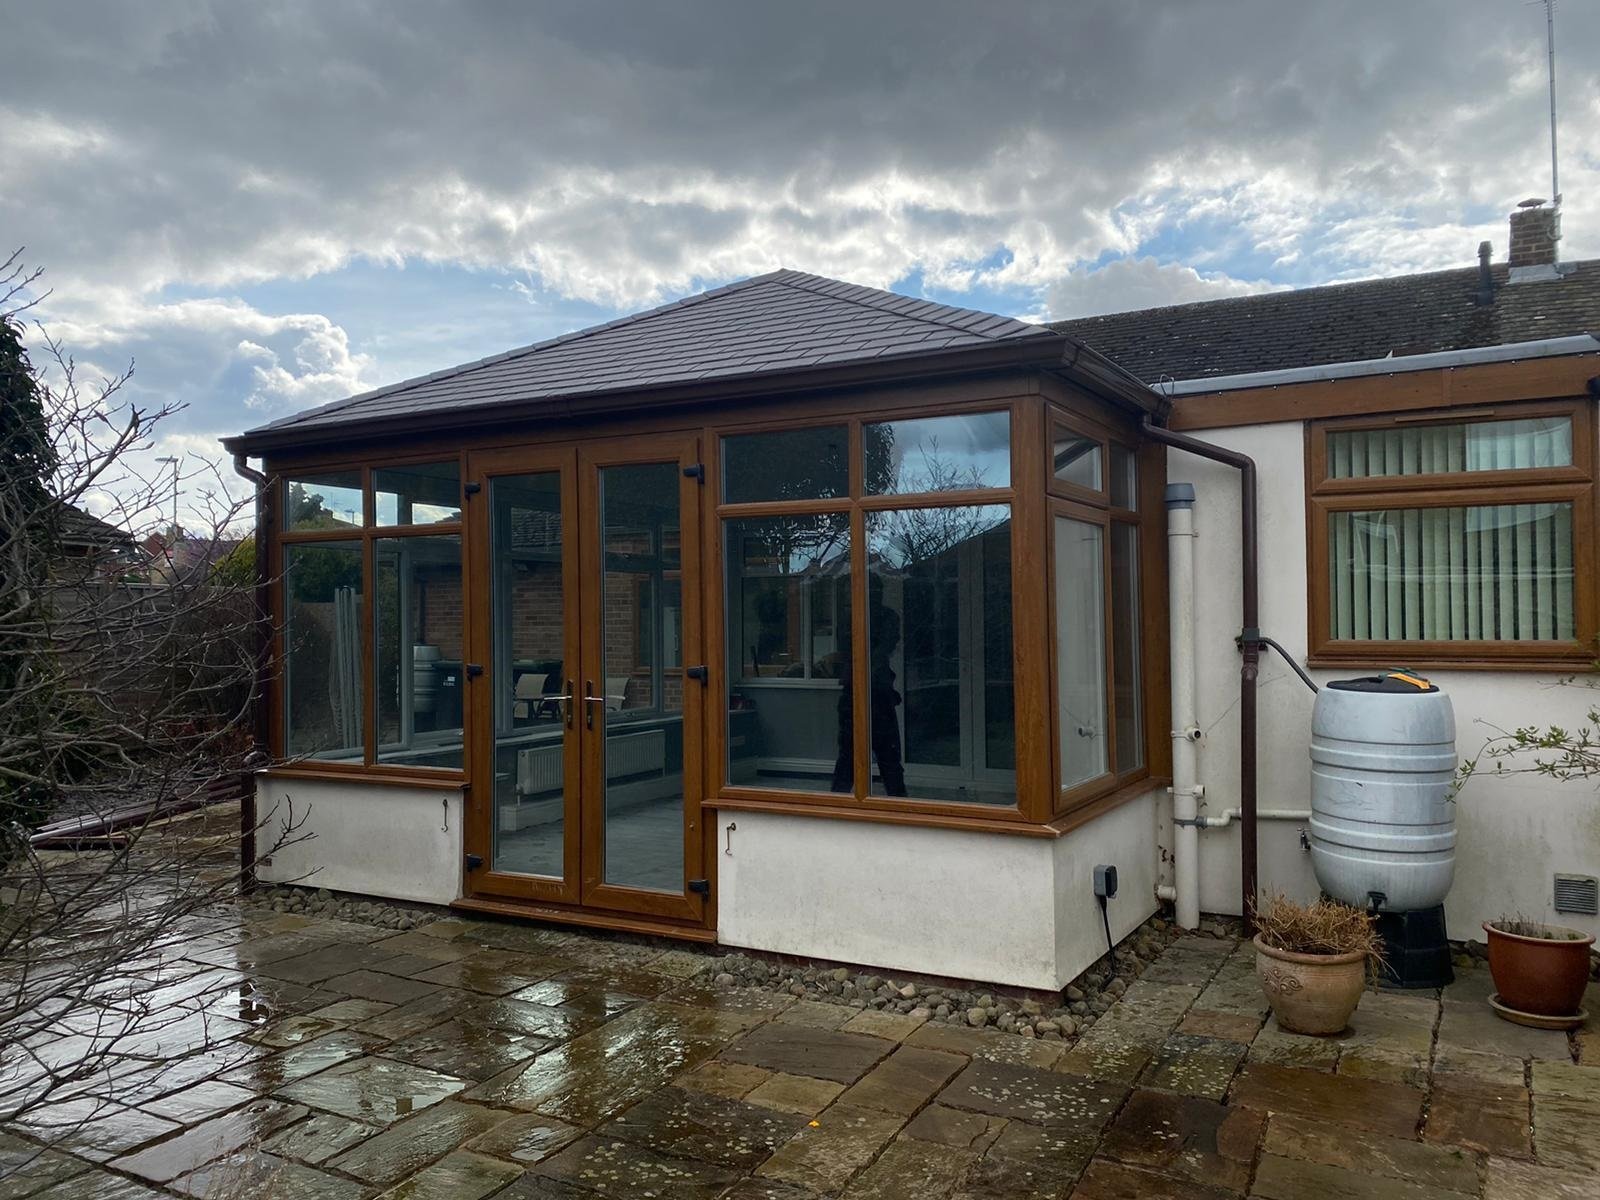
x,y
1574,484
1094,507
368,534
856,503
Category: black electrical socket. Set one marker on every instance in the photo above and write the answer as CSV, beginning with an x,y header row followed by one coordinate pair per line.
x,y
1105,882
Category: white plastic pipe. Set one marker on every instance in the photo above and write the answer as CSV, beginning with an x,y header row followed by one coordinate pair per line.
x,y
1185,731
1230,815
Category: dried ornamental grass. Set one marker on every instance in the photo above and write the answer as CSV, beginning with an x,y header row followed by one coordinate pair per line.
x,y
1324,927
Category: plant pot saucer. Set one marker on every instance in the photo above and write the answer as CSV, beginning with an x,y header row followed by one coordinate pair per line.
x,y
1536,1020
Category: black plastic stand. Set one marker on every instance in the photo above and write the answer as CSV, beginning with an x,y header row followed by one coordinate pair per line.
x,y
1415,950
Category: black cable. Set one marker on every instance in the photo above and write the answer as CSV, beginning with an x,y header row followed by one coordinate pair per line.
x,y
1106,917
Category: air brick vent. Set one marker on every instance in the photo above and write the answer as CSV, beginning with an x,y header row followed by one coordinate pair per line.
x,y
1578,894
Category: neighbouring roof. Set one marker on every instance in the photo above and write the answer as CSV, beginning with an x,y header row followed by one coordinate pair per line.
x,y
84,530
1343,322
782,323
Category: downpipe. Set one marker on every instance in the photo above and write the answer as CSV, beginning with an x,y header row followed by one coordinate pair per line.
x,y
1185,729
260,733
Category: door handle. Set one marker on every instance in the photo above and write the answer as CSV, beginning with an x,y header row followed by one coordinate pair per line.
x,y
566,705
588,712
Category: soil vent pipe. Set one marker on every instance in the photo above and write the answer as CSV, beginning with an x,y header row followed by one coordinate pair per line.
x,y
1185,727
1249,646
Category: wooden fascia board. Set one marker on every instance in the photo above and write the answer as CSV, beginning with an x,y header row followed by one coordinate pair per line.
x,y
1447,387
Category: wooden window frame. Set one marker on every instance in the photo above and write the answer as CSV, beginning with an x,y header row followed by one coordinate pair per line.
x,y
368,533
1574,484
1093,506
1032,803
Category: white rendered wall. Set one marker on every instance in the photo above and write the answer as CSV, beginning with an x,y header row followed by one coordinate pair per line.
x,y
377,839
992,907
1513,834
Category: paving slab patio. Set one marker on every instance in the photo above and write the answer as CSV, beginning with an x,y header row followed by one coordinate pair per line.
x,y
479,1060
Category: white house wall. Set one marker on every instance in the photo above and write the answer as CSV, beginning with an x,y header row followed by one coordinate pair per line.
x,y
402,843
1513,835
969,905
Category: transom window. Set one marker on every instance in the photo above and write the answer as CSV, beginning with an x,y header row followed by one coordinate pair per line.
x,y
1461,538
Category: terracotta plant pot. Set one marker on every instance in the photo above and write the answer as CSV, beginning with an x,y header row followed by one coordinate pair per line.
x,y
1311,993
1542,976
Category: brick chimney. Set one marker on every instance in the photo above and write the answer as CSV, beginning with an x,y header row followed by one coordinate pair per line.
x,y
1535,230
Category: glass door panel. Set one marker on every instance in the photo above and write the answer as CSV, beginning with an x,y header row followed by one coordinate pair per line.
x,y
640,827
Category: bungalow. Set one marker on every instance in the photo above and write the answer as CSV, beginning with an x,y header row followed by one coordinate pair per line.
x,y
814,619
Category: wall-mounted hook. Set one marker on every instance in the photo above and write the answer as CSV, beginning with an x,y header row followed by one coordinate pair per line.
x,y
728,849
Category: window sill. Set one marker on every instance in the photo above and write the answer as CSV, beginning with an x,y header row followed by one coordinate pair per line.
x,y
1010,825
1531,665
1087,810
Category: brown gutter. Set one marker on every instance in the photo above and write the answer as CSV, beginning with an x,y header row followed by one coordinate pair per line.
x,y
261,734
1250,642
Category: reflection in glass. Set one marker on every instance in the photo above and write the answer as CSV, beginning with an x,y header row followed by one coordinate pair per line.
x,y
1124,477
527,623
788,629
1080,650
418,494
793,464
322,685
941,715
1125,645
416,662
1077,458
642,631
331,501
937,454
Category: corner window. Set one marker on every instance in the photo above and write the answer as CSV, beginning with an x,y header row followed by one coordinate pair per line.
x,y
1453,540
324,700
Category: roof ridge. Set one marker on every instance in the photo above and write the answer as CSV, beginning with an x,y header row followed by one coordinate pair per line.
x,y
571,335
870,300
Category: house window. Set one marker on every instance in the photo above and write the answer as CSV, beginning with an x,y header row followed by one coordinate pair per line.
x,y
920,684
372,636
1098,580
1454,540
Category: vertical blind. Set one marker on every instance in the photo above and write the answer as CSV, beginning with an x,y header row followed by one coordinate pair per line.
x,y
1524,444
1488,572
1482,572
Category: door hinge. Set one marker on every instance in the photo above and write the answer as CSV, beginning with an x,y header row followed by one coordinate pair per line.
x,y
474,670
474,861
473,487
700,887
699,674
696,472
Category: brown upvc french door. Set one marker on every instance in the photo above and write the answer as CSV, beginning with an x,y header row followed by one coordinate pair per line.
x,y
586,758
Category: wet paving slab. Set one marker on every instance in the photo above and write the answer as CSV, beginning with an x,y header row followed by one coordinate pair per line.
x,y
470,1060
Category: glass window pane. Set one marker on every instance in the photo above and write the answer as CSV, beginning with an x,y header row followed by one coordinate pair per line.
x,y
331,501
641,627
1080,651
1494,572
788,629
939,654
1523,444
322,671
792,464
937,454
1128,694
527,674
1077,458
1124,477
422,494
416,665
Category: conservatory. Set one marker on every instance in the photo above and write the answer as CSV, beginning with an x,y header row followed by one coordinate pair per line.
x,y
797,615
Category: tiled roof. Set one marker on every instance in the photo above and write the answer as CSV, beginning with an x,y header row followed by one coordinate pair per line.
x,y
780,322
1346,322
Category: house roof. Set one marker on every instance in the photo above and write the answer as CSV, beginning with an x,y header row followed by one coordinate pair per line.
x,y
782,323
1345,322
85,530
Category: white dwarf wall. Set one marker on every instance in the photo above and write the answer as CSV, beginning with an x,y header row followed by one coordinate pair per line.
x,y
970,905
377,839
1513,834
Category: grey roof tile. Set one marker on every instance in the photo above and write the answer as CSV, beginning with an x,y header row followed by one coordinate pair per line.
x,y
1346,322
760,326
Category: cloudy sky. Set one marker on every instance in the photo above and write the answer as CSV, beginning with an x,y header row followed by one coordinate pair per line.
x,y
268,205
